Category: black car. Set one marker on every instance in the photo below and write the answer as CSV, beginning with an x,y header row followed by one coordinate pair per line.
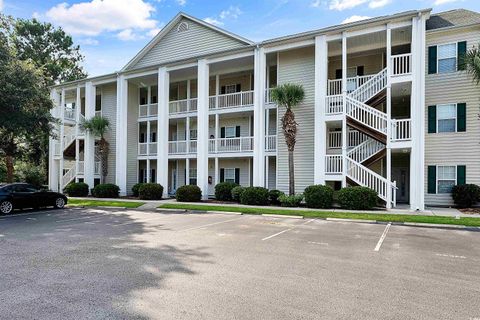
x,y
24,195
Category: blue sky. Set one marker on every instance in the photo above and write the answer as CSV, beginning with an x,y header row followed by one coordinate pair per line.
x,y
111,32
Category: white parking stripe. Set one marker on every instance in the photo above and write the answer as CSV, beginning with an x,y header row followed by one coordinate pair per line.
x,y
384,235
279,233
210,224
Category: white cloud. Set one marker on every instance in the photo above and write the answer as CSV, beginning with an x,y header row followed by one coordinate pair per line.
x,y
97,16
213,21
1,5
349,4
88,41
440,2
126,35
374,4
152,33
316,4
355,18
231,13
181,2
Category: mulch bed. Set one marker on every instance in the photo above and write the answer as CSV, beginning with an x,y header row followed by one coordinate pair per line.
x,y
470,210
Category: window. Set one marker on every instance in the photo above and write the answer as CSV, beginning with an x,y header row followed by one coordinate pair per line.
x,y
143,96
98,102
229,175
193,176
230,132
193,134
153,137
446,178
232,88
447,58
446,118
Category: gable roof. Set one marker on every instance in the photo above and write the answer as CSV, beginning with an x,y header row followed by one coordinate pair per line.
x,y
171,25
453,18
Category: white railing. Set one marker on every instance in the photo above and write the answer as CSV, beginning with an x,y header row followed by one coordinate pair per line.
x,y
152,148
98,113
371,87
69,114
367,115
334,104
270,143
335,139
240,144
182,147
401,129
147,148
367,178
401,64
67,140
97,168
231,100
68,176
268,96
147,110
335,86
182,106
365,150
355,137
333,164
81,167
192,146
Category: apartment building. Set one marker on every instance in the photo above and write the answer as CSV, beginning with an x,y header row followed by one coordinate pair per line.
x,y
388,105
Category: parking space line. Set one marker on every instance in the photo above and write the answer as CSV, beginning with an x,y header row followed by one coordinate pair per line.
x,y
384,235
210,224
279,233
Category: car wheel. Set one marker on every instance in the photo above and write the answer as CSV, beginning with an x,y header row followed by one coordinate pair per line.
x,y
59,203
6,207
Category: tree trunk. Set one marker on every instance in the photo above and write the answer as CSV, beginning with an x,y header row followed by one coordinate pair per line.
x,y
10,169
289,126
291,174
103,150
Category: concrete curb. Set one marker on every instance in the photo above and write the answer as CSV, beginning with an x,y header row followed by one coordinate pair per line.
x,y
281,216
171,210
434,225
352,220
226,212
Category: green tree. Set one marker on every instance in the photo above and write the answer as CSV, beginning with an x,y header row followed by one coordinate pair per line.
x,y
472,62
289,95
98,127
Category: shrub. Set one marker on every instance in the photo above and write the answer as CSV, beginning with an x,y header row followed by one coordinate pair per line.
x,y
135,189
150,191
291,201
318,196
106,190
223,191
33,175
273,196
189,193
237,192
78,189
254,196
357,198
466,195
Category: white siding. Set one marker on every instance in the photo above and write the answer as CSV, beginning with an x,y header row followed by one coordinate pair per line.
x,y
461,148
109,111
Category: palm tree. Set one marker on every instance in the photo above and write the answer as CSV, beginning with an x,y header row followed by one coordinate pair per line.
x,y
289,95
472,63
98,126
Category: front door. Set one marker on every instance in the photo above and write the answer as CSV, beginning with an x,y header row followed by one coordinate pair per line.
x,y
402,177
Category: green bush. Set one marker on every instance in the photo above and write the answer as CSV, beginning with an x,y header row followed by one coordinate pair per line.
x,y
290,201
33,175
106,190
237,192
223,191
150,191
78,189
466,195
318,196
357,198
273,196
254,196
135,189
189,193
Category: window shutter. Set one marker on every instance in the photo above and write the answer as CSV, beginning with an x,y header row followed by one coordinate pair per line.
x,y
461,52
237,175
360,71
461,117
239,87
432,119
222,132
461,175
432,179
237,131
222,175
432,59
222,90
338,74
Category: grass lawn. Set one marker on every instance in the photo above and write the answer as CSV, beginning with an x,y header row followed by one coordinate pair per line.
x,y
473,222
98,203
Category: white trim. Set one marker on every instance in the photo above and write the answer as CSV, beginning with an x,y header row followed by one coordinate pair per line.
x,y
289,46
437,179
455,105
231,57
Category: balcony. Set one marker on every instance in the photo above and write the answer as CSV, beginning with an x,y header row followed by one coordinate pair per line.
x,y
401,64
147,148
270,143
182,106
335,86
69,114
355,137
182,147
97,168
147,110
401,129
333,164
240,144
231,100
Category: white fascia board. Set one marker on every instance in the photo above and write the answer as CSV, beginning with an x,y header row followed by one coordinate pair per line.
x,y
291,45
231,57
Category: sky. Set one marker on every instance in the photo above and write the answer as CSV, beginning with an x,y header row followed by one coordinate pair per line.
x,y
111,32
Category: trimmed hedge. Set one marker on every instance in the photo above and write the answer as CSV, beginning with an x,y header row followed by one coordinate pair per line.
x,y
357,198
237,192
273,196
254,196
291,201
106,190
318,196
465,195
135,189
150,191
223,191
189,193
76,189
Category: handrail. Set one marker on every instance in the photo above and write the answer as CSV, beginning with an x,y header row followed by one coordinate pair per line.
x,y
370,88
367,115
231,100
365,150
366,177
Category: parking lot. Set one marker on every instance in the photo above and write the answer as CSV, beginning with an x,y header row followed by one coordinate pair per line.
x,y
118,264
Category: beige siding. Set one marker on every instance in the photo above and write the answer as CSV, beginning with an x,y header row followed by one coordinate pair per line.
x,y
372,63
242,163
298,66
109,111
272,173
132,139
196,41
462,148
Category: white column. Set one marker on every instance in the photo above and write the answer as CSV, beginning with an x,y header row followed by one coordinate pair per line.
x,y
78,102
217,89
259,119
389,115
89,146
320,138
53,170
217,131
162,128
121,139
344,122
62,138
202,127
189,103
148,150
217,171
187,132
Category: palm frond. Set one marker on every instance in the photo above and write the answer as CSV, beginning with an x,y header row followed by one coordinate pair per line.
x,y
97,126
288,95
472,62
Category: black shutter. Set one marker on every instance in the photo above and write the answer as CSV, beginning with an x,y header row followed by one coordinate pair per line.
x,y
338,74
237,131
461,175
222,132
238,88
360,71
432,59
432,119
461,117
222,175
222,90
237,175
461,52
432,179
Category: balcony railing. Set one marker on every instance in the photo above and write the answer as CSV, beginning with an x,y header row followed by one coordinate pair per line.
x,y
271,143
182,147
81,167
147,110
401,64
333,164
334,104
182,106
231,100
401,129
335,86
240,144
69,114
147,148
355,137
